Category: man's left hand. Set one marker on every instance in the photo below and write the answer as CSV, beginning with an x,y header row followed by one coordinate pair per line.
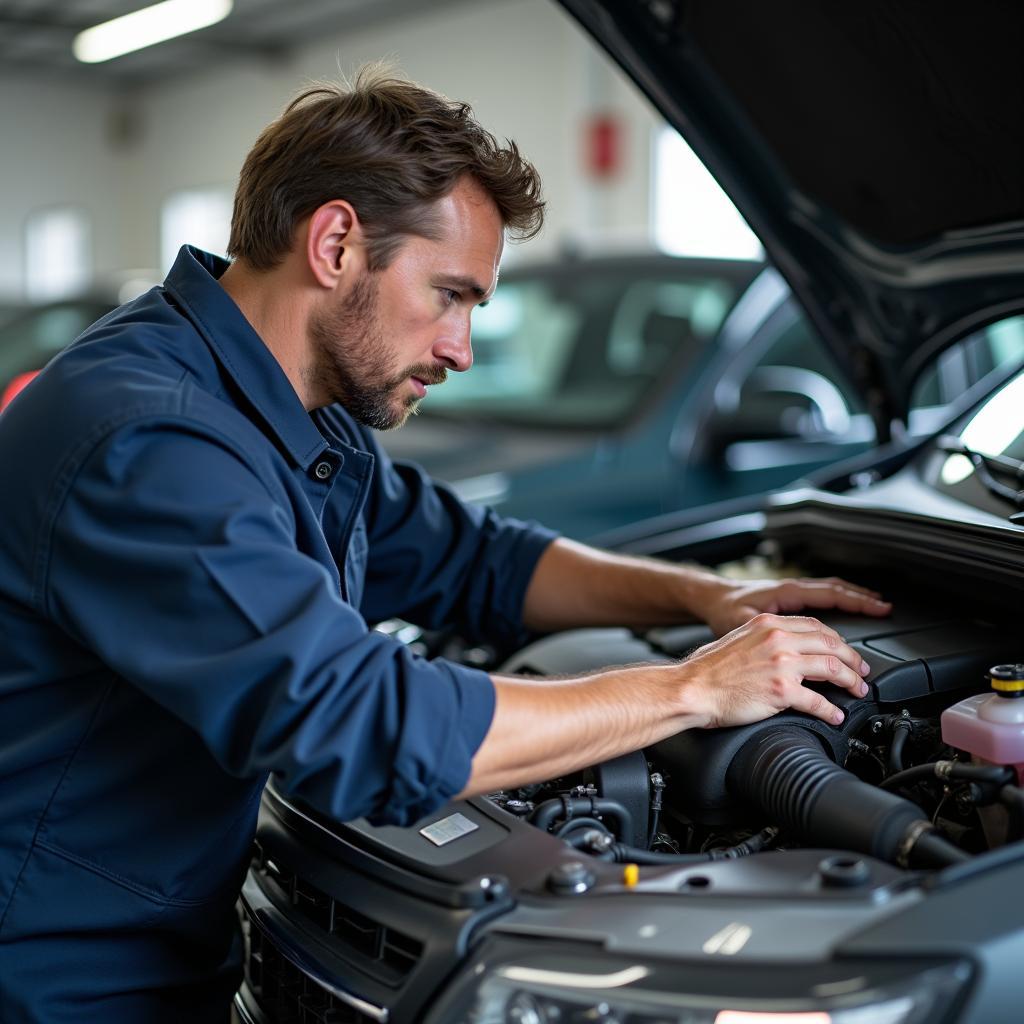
x,y
730,603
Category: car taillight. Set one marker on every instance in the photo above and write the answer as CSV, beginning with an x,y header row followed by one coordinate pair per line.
x,y
17,385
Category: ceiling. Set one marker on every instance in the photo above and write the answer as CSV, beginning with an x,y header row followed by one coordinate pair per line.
x,y
36,35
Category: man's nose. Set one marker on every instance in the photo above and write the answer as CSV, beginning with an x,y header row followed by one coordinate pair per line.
x,y
455,348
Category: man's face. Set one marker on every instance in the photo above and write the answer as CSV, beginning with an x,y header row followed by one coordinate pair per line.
x,y
400,329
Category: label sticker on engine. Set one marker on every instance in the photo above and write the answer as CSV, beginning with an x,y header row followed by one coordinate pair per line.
x,y
455,826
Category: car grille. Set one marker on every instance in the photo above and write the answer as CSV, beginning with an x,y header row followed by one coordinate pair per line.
x,y
283,993
384,952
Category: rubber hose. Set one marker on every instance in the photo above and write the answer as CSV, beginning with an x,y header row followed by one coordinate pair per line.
x,y
932,851
569,807
570,826
788,775
1012,798
753,844
957,770
900,734
634,855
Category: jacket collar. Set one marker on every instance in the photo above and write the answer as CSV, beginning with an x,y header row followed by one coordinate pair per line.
x,y
242,352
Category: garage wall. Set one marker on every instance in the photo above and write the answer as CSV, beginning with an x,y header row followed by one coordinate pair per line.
x,y
55,150
527,69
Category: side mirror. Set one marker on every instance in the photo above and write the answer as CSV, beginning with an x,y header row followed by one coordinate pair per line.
x,y
779,403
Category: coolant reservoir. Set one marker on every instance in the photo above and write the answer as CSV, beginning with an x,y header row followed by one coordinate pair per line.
x,y
991,725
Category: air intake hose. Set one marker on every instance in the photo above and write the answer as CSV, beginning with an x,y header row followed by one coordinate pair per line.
x,y
788,775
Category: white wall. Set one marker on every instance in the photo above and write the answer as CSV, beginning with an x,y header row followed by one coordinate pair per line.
x,y
54,151
528,71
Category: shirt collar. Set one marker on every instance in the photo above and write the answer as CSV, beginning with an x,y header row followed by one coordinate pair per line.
x,y
242,352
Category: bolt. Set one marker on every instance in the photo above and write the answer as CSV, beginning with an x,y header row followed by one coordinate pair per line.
x,y
596,840
571,878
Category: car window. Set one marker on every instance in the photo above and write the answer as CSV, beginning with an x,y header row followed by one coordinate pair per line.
x,y
791,387
945,381
986,470
964,365
799,346
583,350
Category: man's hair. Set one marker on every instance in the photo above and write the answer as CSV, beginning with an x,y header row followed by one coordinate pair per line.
x,y
387,146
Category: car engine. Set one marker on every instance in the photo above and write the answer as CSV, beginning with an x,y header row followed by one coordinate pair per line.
x,y
889,783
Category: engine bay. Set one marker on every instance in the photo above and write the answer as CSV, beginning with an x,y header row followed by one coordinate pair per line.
x,y
861,839
885,784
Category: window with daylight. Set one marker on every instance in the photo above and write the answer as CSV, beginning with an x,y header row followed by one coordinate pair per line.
x,y
58,258
692,215
196,216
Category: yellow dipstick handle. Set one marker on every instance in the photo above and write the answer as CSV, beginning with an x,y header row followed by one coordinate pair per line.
x,y
630,875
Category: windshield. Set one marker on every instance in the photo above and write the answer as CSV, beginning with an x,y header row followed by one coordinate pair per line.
x,y
584,347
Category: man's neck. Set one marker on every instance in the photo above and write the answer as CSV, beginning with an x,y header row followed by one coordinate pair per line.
x,y
278,312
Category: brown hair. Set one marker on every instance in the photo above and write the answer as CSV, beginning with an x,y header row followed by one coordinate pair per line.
x,y
389,147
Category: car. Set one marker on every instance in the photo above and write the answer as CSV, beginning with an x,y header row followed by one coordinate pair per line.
x,y
583,368
29,340
786,871
34,334
684,381
9,309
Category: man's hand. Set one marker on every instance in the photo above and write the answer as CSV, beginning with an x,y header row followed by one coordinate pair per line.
x,y
727,604
574,585
758,669
544,728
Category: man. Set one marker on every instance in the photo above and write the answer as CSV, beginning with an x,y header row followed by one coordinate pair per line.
x,y
199,527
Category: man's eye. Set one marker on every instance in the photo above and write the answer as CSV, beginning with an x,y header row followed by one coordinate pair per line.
x,y
449,295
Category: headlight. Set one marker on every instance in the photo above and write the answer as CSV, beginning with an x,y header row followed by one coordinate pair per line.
x,y
589,988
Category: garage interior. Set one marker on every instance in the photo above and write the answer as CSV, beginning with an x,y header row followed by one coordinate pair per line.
x,y
836,433
135,150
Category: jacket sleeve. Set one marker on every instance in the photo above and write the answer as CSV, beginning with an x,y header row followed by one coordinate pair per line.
x,y
172,561
436,560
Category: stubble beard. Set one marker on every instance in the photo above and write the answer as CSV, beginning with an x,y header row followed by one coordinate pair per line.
x,y
354,364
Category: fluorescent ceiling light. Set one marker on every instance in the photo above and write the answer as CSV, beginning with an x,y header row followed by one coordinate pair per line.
x,y
146,27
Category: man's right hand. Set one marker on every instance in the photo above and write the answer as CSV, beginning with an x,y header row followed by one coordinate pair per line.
x,y
544,728
758,670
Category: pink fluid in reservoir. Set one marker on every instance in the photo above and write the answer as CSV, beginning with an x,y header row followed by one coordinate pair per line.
x,y
990,726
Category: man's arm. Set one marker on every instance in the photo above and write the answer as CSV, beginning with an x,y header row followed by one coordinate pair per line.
x,y
544,728
575,585
437,561
174,561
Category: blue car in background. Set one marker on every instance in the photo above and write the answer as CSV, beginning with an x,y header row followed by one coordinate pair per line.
x,y
608,391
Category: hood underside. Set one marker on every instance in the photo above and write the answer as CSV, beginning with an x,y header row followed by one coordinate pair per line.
x,y
876,148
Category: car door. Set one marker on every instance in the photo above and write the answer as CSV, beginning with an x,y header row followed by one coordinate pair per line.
x,y
780,407
775,407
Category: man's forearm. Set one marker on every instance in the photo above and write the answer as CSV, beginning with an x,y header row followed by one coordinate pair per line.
x,y
544,728
574,585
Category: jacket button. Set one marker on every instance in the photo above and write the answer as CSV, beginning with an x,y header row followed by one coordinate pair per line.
x,y
323,470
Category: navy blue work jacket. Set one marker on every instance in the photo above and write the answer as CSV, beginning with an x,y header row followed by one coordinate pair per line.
x,y
188,563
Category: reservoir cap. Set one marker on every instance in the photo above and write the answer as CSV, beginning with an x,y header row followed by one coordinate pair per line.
x,y
1007,680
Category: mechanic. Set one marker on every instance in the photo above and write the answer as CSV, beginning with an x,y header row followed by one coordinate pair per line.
x,y
200,525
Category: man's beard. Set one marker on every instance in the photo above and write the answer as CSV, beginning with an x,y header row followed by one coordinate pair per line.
x,y
354,362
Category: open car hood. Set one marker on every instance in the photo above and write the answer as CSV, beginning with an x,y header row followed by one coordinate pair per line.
x,y
876,148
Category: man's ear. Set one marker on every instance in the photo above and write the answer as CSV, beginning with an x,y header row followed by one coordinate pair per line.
x,y
334,242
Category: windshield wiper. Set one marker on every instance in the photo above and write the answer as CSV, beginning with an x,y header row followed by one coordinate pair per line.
x,y
986,465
